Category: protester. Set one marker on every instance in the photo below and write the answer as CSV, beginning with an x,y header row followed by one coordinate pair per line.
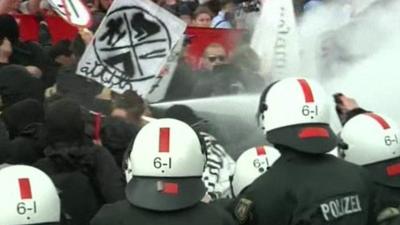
x,y
224,80
87,174
202,17
225,17
81,133
116,135
185,14
214,54
25,53
130,107
17,84
248,63
24,122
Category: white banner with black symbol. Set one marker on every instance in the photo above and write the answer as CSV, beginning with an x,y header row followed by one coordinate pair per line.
x,y
275,40
131,46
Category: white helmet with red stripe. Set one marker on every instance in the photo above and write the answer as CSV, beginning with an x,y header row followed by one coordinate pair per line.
x,y
28,196
167,163
251,164
294,112
370,138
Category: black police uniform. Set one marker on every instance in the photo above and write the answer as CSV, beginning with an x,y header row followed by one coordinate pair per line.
x,y
123,213
310,189
387,185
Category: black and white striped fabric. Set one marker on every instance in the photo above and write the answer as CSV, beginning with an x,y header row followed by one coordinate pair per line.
x,y
219,167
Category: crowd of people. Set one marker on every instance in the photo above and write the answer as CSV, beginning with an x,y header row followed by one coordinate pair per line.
x,y
75,153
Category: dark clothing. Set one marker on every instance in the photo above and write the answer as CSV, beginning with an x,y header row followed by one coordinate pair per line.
x,y
78,197
95,162
122,213
87,178
24,121
204,86
23,117
223,80
25,150
17,84
4,143
182,83
223,203
386,197
29,53
64,123
71,156
116,135
81,90
308,189
3,64
387,185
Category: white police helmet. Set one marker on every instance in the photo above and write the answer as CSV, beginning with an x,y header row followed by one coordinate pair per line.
x,y
370,138
294,112
251,164
166,164
28,196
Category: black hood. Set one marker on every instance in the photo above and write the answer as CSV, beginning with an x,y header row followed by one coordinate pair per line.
x,y
116,134
187,115
17,84
64,123
24,117
76,87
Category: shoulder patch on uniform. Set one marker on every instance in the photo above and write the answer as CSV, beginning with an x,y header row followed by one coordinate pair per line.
x,y
243,210
388,214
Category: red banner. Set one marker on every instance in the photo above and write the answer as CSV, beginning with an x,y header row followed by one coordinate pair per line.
x,y
58,28
199,38
28,27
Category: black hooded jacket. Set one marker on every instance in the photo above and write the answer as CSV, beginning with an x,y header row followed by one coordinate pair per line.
x,y
17,84
24,121
69,157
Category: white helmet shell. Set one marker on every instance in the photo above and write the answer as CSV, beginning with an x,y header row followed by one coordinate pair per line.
x,y
295,101
251,164
295,113
166,164
371,138
28,196
167,148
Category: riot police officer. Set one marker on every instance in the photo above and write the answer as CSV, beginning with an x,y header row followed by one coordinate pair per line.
x,y
305,185
372,140
28,196
166,164
251,164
